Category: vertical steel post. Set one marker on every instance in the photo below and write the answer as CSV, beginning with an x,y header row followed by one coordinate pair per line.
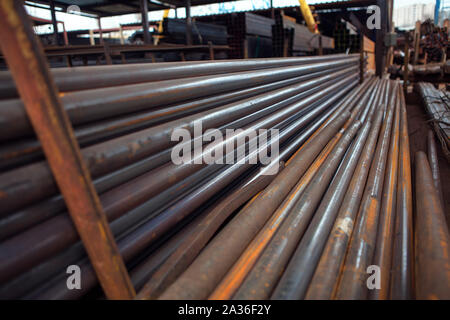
x,y
27,63
406,66
100,30
144,13
91,37
188,23
320,45
211,50
122,39
54,23
417,42
361,58
380,59
272,11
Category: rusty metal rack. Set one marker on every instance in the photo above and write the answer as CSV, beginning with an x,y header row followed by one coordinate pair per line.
x,y
52,126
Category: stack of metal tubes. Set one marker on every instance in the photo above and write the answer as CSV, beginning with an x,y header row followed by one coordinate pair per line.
x,y
336,223
341,207
123,117
339,202
437,106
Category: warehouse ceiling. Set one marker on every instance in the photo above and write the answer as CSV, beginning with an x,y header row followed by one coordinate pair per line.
x,y
107,8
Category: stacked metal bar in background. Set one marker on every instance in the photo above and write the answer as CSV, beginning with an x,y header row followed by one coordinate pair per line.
x,y
290,38
251,30
174,31
338,207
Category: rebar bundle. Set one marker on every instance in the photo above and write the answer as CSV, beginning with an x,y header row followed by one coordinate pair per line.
x,y
437,106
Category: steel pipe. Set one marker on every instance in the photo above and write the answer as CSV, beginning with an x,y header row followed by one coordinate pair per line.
x,y
84,78
432,239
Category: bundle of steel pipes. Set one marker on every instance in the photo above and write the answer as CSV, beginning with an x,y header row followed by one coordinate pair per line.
x,y
330,217
341,206
106,102
437,106
124,117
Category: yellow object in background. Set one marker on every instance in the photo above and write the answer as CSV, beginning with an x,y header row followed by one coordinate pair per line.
x,y
160,26
307,14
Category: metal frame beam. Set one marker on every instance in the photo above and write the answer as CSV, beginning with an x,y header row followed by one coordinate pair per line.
x,y
54,23
26,60
380,59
